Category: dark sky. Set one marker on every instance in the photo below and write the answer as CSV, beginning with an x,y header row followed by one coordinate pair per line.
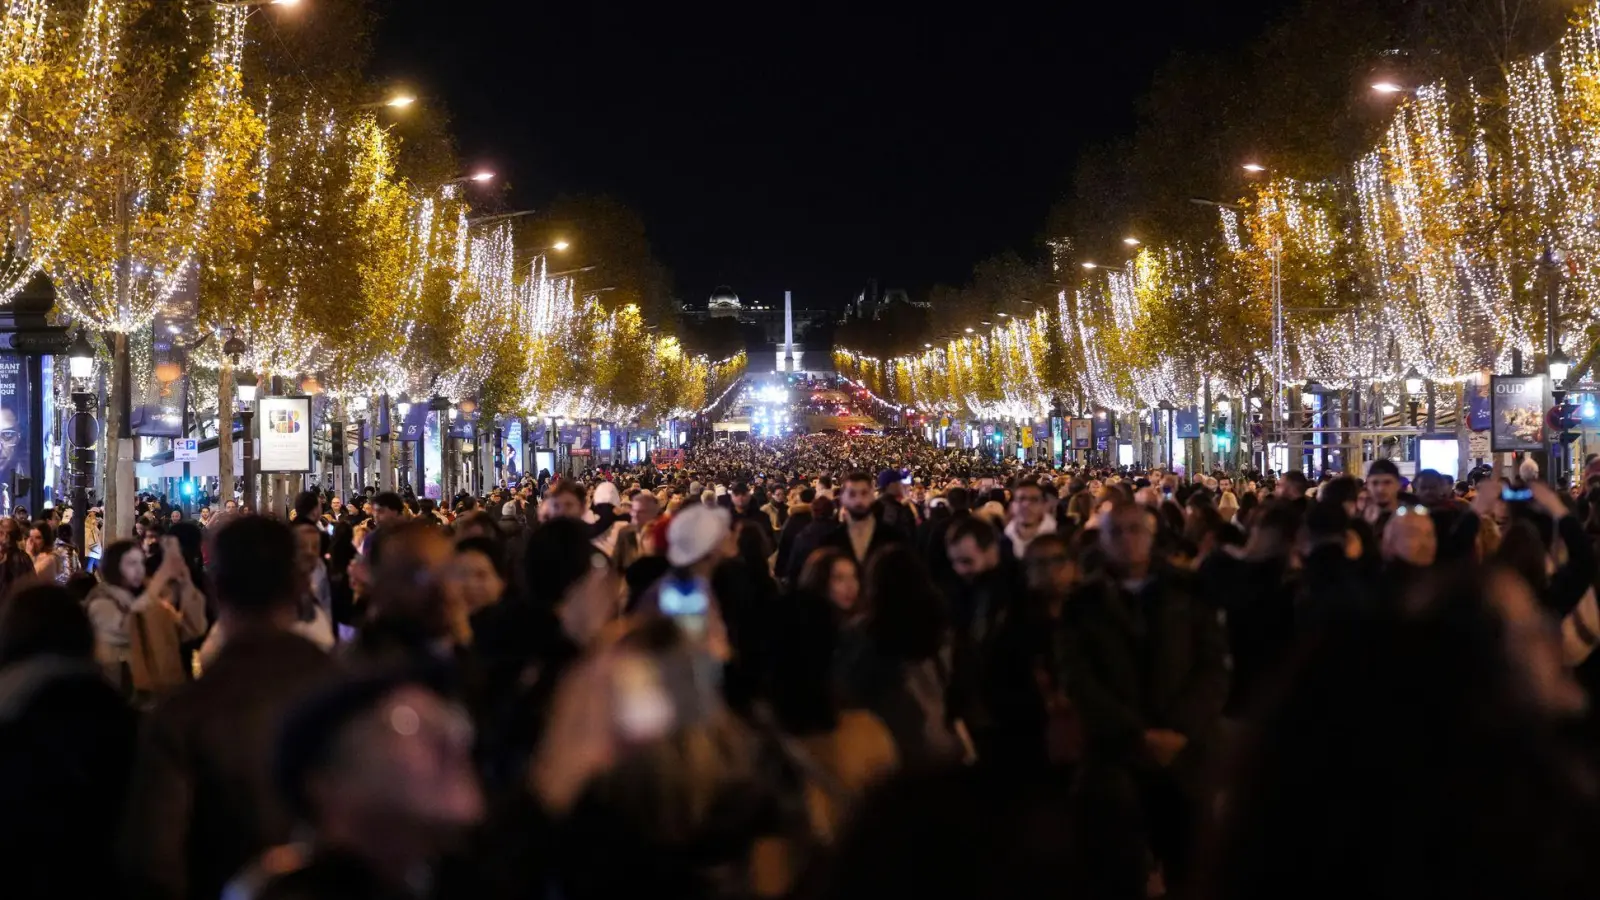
x,y
770,146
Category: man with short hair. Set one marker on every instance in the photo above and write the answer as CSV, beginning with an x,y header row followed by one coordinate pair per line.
x,y
1383,492
565,501
387,509
201,802
863,530
1030,517
307,508
745,511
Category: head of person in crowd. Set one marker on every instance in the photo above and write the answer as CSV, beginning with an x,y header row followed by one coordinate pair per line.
x,y
308,559
565,501
973,545
1127,537
752,546
1434,489
1293,486
1456,702
1522,550
254,571
1342,491
1027,502
1051,570
388,509
477,569
741,497
1383,485
699,538
1275,533
380,770
41,538
1409,537
906,617
569,579
857,496
122,566
890,486
832,573
475,524
411,584
646,509
44,620
336,506
308,506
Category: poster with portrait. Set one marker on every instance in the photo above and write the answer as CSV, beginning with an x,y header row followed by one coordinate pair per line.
x,y
1516,404
513,451
285,434
433,457
13,422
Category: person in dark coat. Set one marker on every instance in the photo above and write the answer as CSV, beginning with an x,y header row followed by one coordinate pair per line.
x,y
1145,660
1256,587
66,738
799,517
813,529
201,802
863,530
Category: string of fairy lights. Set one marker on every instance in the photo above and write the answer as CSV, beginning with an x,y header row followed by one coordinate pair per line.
x,y
430,304
1426,253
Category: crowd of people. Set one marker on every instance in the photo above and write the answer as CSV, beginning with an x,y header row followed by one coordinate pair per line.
x,y
833,666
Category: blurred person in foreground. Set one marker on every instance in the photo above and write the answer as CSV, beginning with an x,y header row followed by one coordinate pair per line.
x,y
66,740
380,770
1439,719
201,802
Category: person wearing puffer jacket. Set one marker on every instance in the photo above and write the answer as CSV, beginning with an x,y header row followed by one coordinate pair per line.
x,y
604,523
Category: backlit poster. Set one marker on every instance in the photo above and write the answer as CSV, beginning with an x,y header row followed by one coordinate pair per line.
x,y
13,424
433,458
513,453
285,434
1517,408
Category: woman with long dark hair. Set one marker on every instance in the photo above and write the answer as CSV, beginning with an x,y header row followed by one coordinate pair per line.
x,y
899,664
140,622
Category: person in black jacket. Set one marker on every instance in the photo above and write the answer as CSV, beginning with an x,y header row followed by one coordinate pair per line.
x,y
201,803
1145,660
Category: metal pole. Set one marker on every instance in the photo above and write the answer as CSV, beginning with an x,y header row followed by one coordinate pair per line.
x,y
82,434
247,456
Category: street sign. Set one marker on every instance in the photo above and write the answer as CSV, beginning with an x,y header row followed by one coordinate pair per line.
x,y
186,449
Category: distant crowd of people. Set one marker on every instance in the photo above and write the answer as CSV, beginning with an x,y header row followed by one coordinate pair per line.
x,y
834,667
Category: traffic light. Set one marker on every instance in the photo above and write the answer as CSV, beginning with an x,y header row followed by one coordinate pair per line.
x,y
1562,418
1219,433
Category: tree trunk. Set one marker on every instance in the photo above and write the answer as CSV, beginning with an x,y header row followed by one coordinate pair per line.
x,y
225,435
119,445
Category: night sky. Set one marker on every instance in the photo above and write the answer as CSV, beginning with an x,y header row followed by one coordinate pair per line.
x,y
771,147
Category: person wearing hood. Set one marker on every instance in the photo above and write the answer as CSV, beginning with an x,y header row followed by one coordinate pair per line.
x,y
604,523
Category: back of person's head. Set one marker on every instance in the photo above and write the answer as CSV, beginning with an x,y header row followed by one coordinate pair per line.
x,y
253,566
753,546
1343,489
1430,718
389,500
959,498
44,620
906,616
557,557
822,509
807,495
818,570
307,504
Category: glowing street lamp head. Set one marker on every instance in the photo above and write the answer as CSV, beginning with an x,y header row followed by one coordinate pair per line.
x,y
1254,168
481,177
969,331
1131,241
1388,87
400,101
560,246
285,3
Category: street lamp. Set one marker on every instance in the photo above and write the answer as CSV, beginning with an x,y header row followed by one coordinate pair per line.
x,y
1389,87
403,405
82,434
80,356
1413,381
1131,241
245,386
242,4
1254,168
1560,366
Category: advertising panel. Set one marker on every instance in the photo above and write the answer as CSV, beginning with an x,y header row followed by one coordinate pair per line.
x,y
285,434
1517,407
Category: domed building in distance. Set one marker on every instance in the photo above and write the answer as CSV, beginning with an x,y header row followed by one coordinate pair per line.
x,y
724,303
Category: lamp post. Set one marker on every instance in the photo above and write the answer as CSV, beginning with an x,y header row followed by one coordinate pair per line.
x,y
83,433
1559,366
245,385
403,406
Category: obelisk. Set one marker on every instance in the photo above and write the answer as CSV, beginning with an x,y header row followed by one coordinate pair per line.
x,y
788,331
